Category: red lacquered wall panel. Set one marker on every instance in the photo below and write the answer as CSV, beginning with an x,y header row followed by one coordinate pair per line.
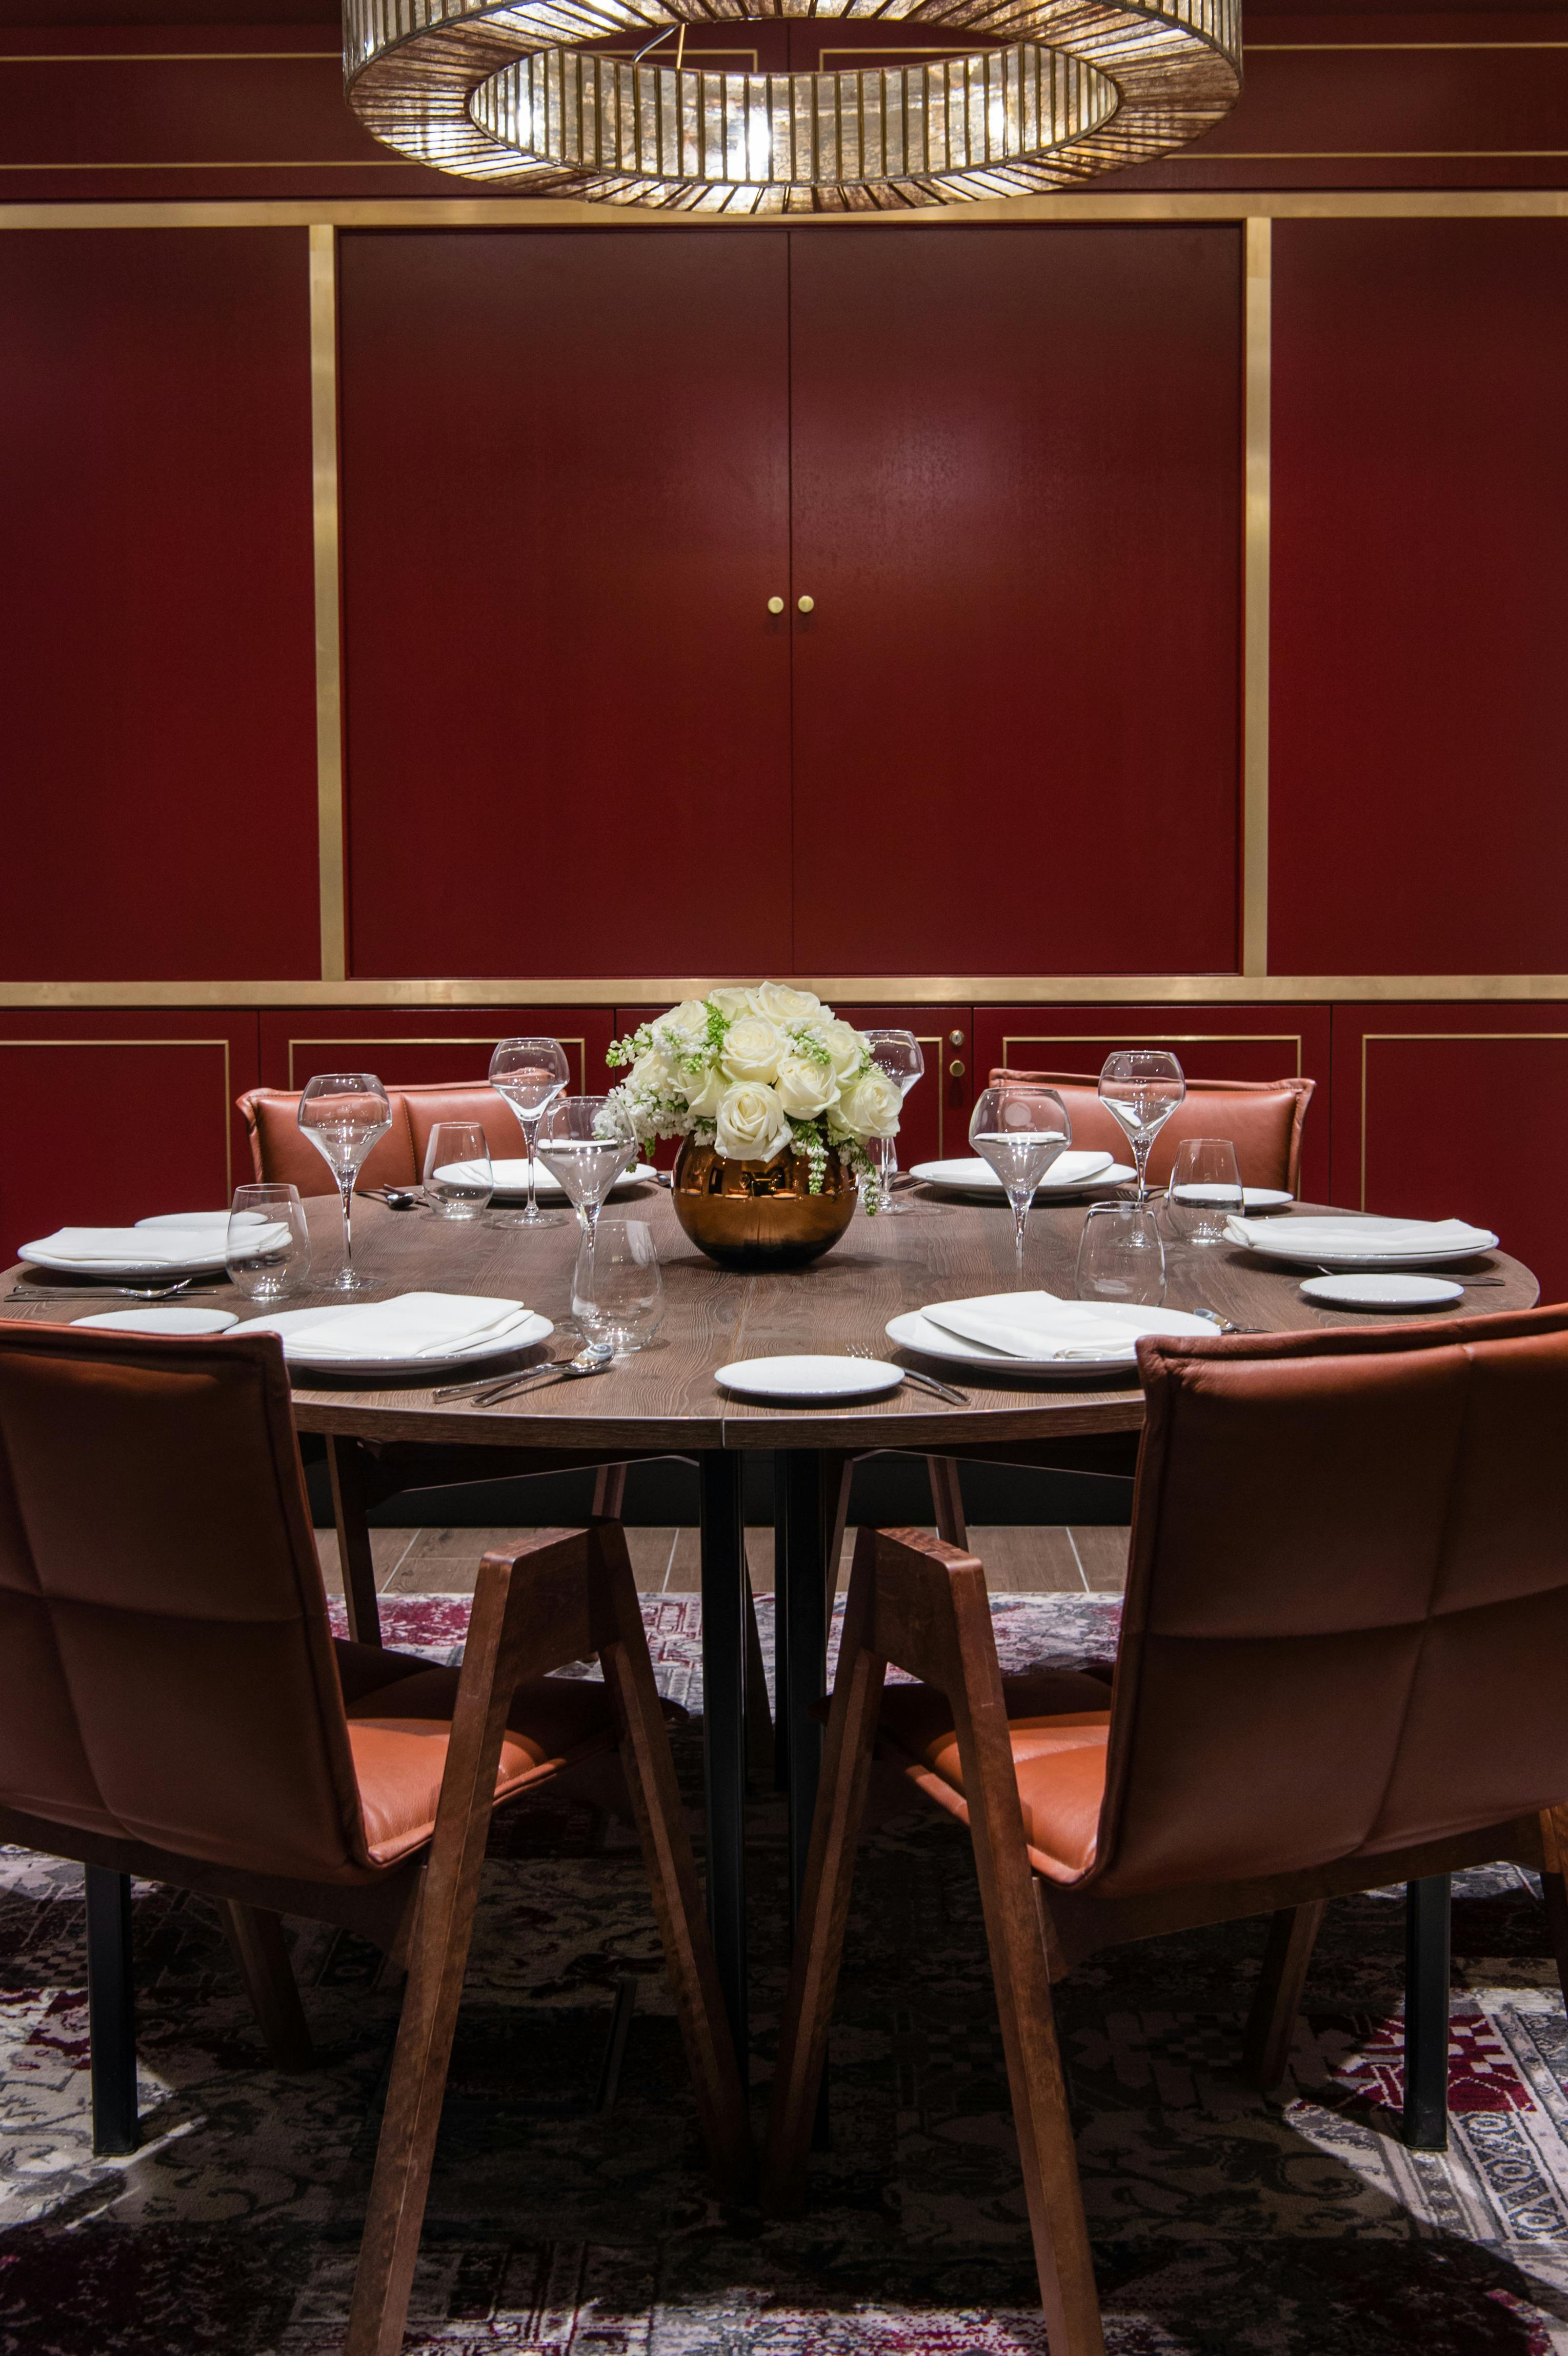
x,y
416,1044
565,472
1420,511
155,604
1456,1112
115,1117
1212,1042
1016,481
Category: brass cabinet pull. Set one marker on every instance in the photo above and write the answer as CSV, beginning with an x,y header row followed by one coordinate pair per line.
x,y
806,603
956,1068
775,604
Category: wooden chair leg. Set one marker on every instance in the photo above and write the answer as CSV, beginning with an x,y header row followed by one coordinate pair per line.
x,y
1271,2024
350,1504
112,2012
838,1525
947,1500
716,2072
609,1491
759,1715
825,1899
1426,1961
256,1936
438,1958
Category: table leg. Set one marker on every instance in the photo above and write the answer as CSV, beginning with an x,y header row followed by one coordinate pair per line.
x,y
801,1624
350,1504
724,1726
1427,1944
111,2011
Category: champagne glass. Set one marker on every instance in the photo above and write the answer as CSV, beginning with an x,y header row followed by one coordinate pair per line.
x,y
530,1074
267,1247
617,1291
1205,1190
1141,1088
1120,1256
344,1114
1020,1130
897,1052
586,1143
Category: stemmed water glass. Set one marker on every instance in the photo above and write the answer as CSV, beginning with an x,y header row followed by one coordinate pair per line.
x,y
896,1052
344,1114
1020,1130
586,1143
1141,1088
531,1074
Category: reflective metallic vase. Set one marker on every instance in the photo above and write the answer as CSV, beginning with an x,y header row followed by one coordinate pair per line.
x,y
761,1215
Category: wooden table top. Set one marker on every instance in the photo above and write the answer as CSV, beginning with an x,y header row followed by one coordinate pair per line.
x,y
664,1398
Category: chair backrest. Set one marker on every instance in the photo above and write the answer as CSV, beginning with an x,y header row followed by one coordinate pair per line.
x,y
167,1670
280,1152
1264,1119
1346,1628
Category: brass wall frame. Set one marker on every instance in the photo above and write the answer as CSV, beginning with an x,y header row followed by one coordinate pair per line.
x,y
227,1079
441,1039
1375,1038
1155,1039
1254,210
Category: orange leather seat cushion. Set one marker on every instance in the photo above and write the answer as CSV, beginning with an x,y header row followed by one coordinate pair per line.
x,y
1058,1724
399,1723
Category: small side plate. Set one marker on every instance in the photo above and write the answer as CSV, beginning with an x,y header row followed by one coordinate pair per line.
x,y
1382,1291
809,1379
162,1321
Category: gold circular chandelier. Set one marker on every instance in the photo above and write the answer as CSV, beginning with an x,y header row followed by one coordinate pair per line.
x,y
1063,90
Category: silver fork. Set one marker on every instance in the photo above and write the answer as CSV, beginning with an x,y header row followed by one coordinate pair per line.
x,y
111,1292
907,1375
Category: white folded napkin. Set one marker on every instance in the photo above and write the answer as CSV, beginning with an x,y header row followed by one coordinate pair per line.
x,y
1070,1169
131,1247
414,1325
1039,1325
251,1236
1362,1239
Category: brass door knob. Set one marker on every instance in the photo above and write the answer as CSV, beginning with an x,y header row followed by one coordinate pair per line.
x,y
806,603
775,604
956,1068
955,1038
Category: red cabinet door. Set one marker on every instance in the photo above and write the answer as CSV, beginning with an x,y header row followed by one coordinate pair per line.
x,y
1213,1043
1015,480
565,485
1455,1112
116,1117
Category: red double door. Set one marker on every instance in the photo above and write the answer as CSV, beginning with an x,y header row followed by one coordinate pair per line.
x,y
1002,466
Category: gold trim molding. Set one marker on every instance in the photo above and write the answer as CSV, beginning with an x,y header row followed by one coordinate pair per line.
x,y
328,601
1257,321
856,990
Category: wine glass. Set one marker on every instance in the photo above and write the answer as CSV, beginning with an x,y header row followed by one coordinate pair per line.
x,y
1020,1130
344,1114
1120,1256
1205,1190
1141,1088
617,1291
530,1074
586,1143
897,1052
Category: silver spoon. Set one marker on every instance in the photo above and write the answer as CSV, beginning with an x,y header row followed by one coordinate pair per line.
x,y
595,1359
521,1374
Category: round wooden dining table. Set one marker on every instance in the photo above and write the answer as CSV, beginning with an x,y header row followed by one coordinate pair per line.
x,y
664,1401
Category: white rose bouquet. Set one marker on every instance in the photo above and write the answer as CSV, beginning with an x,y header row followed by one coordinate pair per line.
x,y
755,1071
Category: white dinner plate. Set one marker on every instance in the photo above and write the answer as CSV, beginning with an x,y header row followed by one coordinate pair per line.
x,y
1070,1174
162,1321
293,1321
1355,1263
1382,1291
1255,1198
809,1379
915,1331
205,1256
512,1180
207,1223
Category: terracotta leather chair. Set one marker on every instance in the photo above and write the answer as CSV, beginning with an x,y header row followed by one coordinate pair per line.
x,y
1264,1119
172,1705
1342,1665
282,1154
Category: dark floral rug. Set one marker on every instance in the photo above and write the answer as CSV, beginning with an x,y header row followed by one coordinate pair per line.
x,y
1220,2223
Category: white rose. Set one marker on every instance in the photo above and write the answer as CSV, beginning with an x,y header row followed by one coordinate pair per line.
x,y
704,1096
870,1106
804,1089
843,1044
751,1124
688,1022
734,1000
782,1004
652,1071
752,1047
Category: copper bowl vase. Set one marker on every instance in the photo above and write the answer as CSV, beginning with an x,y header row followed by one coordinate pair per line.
x,y
760,1214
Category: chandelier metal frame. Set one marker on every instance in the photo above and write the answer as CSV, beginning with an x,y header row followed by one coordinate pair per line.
x,y
503,92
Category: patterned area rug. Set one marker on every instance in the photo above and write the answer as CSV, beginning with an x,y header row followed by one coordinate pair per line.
x,y
1220,2223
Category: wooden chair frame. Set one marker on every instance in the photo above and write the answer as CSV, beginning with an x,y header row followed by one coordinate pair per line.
x,y
924,1605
